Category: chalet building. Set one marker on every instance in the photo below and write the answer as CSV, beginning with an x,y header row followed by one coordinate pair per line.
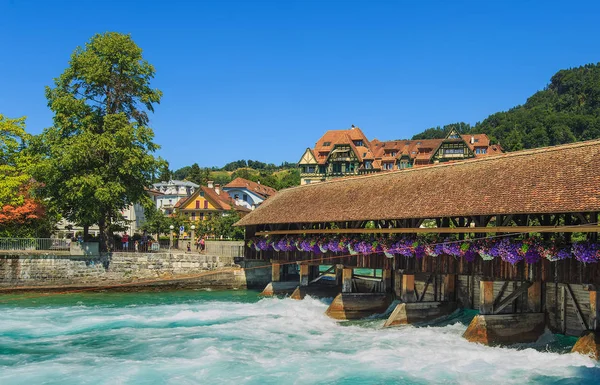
x,y
348,152
207,201
247,193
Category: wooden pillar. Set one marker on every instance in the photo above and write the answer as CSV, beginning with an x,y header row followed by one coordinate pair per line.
x,y
398,283
408,288
534,297
338,274
275,272
449,287
486,297
304,272
386,277
313,272
347,280
594,310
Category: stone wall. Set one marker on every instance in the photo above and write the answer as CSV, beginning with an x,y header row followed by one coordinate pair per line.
x,y
58,270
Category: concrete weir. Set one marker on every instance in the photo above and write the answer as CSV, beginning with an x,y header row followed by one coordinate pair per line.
x,y
410,313
279,288
505,329
318,291
352,306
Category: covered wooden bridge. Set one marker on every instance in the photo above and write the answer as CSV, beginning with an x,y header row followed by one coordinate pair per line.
x,y
514,235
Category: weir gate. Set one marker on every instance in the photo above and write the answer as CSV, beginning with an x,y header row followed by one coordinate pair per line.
x,y
514,236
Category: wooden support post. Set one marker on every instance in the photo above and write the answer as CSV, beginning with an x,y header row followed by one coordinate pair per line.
x,y
408,288
338,274
449,287
304,270
386,277
313,272
347,280
486,297
275,272
594,323
534,297
398,283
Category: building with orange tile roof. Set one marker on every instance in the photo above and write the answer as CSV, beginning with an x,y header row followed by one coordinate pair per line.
x,y
340,153
247,193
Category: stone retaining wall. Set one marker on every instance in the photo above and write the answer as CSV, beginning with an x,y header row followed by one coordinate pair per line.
x,y
56,270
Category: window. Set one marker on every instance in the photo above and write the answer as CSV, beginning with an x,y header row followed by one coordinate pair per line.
x,y
201,216
358,143
327,144
193,216
236,197
418,143
322,169
205,204
245,197
364,154
350,167
197,204
403,165
310,169
480,150
202,193
476,140
368,164
388,166
337,167
453,151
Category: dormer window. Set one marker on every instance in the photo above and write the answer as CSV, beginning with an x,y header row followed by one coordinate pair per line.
x,y
327,144
358,143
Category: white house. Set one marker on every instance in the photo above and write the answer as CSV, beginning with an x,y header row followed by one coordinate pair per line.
x,y
172,191
248,194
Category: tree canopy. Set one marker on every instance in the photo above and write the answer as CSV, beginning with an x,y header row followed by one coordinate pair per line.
x,y
567,110
97,158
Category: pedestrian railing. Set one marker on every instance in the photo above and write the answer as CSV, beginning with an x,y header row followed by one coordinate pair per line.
x,y
12,244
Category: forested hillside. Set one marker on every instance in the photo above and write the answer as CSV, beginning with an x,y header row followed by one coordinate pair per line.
x,y
567,110
278,177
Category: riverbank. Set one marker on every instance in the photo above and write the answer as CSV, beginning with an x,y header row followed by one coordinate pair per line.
x,y
127,271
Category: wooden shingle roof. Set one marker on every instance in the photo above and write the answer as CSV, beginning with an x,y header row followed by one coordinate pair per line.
x,y
556,179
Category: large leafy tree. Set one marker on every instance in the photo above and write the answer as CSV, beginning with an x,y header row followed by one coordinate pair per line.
x,y
98,155
21,214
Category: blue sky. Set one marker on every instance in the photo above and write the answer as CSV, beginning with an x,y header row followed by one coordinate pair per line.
x,y
265,79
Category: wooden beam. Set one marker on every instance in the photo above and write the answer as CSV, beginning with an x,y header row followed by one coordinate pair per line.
x,y
443,230
577,308
514,295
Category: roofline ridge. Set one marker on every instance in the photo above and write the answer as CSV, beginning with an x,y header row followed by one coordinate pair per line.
x,y
528,151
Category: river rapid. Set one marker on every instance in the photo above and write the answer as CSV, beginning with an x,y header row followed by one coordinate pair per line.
x,y
236,337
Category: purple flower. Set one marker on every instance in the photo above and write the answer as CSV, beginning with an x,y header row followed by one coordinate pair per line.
x,y
469,255
532,255
419,251
451,248
585,252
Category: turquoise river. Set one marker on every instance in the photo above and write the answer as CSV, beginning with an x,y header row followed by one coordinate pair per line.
x,y
236,337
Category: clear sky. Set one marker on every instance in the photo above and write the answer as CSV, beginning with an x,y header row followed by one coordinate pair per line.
x,y
265,79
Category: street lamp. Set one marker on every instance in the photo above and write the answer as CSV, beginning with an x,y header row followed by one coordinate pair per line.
x,y
193,234
171,236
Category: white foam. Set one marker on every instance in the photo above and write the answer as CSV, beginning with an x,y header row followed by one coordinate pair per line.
x,y
269,341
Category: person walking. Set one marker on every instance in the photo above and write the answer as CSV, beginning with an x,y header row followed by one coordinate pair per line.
x,y
202,244
125,241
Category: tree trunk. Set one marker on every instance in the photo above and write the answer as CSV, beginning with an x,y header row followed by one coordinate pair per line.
x,y
86,232
105,237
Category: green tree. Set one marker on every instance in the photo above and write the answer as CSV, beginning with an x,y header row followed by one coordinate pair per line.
x,y
195,174
14,161
98,155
